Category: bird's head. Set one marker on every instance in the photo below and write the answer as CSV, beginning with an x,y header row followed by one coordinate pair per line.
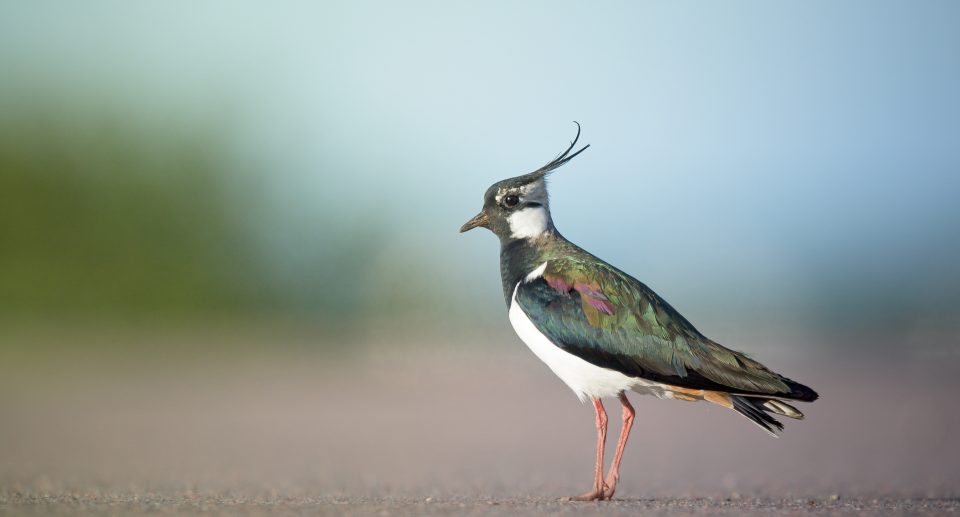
x,y
518,208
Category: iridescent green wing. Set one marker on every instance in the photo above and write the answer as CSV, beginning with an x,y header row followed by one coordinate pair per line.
x,y
606,317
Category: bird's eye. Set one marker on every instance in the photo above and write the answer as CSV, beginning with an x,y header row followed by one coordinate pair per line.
x,y
511,200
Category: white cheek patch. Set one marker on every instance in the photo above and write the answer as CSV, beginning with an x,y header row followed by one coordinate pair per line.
x,y
529,222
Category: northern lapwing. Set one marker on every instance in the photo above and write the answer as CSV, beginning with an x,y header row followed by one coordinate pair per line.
x,y
605,333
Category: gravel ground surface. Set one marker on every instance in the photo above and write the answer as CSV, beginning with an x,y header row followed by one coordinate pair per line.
x,y
482,430
152,504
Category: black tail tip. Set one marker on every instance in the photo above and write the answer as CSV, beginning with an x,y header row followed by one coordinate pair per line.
x,y
756,413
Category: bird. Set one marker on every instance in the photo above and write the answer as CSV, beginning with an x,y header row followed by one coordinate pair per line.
x,y
605,333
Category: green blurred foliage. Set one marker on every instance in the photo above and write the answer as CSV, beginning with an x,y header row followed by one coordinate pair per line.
x,y
102,216
108,215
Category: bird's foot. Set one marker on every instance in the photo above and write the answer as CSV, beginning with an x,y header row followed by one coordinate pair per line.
x,y
609,487
592,495
597,494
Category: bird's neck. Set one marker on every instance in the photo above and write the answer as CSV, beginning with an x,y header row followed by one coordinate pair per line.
x,y
518,257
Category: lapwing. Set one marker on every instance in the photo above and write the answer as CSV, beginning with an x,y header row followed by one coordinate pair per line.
x,y
604,333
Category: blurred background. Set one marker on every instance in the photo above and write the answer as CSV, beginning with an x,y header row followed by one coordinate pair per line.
x,y
229,256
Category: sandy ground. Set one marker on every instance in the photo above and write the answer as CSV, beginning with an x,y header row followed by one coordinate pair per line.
x,y
467,429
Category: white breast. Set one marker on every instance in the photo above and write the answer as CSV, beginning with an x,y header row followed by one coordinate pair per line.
x,y
585,379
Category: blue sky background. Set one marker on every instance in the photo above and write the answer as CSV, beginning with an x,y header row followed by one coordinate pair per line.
x,y
795,162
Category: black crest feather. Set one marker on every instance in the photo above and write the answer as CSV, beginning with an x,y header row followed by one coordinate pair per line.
x,y
563,157
554,164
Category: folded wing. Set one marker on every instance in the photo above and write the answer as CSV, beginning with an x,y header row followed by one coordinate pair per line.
x,y
608,318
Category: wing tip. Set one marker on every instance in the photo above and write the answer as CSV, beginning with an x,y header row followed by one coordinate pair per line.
x,y
801,392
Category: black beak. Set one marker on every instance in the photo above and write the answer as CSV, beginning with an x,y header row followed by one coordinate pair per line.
x,y
480,219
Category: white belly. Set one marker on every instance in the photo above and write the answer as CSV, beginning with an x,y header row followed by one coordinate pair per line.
x,y
585,379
